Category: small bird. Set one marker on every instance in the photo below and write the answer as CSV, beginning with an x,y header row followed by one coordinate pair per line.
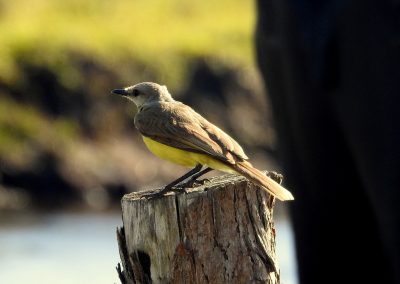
x,y
175,132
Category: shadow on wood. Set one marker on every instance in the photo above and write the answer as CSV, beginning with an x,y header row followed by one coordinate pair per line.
x,y
220,232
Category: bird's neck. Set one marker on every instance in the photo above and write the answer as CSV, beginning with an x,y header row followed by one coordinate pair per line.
x,y
147,105
153,103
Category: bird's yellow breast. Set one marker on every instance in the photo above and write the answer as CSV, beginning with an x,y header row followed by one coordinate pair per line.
x,y
184,158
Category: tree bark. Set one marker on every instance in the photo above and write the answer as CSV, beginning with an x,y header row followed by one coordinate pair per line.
x,y
219,232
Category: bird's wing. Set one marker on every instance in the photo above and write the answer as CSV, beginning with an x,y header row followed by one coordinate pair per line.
x,y
179,126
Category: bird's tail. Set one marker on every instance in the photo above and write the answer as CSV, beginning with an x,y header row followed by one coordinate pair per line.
x,y
256,176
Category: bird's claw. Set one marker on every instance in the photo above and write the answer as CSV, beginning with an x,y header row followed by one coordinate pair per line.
x,y
153,195
181,188
193,183
161,192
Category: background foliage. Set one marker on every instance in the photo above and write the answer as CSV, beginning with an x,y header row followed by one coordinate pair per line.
x,y
65,140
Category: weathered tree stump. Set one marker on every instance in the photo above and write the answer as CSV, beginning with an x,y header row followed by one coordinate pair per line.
x,y
220,232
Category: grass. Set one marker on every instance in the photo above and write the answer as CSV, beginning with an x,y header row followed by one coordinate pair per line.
x,y
24,130
134,39
160,35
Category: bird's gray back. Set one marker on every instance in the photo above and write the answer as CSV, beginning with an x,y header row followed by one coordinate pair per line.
x,y
178,125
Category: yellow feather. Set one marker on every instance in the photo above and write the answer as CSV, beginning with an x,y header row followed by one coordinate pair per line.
x,y
184,158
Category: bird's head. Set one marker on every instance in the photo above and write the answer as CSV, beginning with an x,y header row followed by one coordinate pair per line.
x,y
143,93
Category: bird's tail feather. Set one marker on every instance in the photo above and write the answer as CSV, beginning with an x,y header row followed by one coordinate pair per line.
x,y
256,176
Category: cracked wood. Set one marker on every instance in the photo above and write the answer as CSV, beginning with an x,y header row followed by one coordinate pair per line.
x,y
220,232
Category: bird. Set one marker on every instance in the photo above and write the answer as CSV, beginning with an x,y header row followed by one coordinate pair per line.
x,y
175,132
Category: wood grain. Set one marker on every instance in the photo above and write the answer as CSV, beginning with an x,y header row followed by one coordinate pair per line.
x,y
220,232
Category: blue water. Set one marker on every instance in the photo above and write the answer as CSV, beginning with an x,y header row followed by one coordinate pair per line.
x,y
82,248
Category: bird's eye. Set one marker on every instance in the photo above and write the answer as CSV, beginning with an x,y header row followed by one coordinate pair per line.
x,y
136,93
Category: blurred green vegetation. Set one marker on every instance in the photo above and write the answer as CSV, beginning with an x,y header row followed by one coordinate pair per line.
x,y
60,127
24,131
162,35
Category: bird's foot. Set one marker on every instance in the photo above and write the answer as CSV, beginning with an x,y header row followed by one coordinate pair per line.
x,y
155,194
180,188
193,183
162,192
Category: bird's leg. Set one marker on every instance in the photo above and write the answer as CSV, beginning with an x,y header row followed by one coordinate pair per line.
x,y
169,186
194,177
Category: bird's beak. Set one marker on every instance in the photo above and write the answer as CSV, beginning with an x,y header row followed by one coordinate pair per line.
x,y
121,92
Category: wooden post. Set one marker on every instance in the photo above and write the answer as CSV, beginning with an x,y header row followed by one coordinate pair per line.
x,y
220,232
